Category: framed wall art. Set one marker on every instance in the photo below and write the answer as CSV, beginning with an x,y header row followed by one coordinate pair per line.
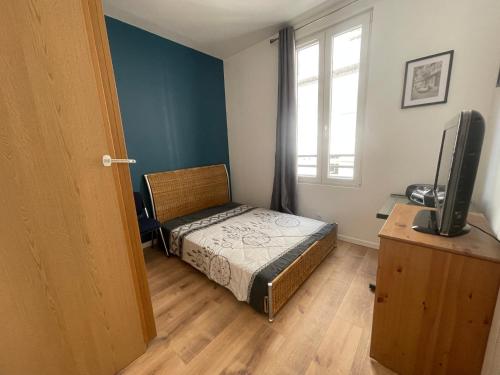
x,y
427,80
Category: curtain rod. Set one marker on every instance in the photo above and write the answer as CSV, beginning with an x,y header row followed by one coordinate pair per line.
x,y
271,41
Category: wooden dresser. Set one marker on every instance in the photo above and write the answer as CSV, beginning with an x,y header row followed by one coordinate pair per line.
x,y
435,297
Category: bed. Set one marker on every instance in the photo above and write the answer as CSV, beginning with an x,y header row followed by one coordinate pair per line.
x,y
261,256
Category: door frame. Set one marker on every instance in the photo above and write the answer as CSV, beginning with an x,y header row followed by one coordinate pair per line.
x,y
105,78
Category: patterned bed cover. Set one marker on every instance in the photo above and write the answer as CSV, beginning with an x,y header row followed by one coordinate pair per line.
x,y
242,248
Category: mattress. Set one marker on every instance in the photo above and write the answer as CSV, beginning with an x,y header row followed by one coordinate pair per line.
x,y
241,247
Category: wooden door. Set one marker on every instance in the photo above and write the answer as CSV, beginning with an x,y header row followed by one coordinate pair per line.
x,y
70,298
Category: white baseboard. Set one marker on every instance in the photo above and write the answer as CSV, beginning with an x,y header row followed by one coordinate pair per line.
x,y
357,241
147,244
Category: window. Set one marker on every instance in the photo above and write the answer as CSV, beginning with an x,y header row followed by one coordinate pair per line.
x,y
307,109
331,73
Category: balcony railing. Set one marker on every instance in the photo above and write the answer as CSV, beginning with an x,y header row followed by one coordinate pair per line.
x,y
336,160
337,163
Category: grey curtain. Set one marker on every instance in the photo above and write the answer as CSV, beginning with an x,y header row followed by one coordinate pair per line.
x,y
284,198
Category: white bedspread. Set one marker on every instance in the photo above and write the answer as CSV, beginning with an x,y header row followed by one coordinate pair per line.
x,y
233,246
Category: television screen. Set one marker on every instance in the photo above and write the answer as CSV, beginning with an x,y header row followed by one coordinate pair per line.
x,y
445,162
456,171
455,175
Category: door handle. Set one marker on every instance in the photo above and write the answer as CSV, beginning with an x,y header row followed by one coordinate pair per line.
x,y
108,160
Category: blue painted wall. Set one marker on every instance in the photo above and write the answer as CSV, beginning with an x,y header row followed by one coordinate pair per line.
x,y
171,100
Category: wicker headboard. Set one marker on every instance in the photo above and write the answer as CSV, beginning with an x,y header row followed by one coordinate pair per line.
x,y
184,191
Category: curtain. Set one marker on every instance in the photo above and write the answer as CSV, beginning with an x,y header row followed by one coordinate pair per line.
x,y
284,198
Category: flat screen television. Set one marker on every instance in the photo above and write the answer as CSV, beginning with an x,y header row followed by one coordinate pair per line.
x,y
458,161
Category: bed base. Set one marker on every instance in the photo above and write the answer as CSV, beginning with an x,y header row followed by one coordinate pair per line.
x,y
283,286
184,191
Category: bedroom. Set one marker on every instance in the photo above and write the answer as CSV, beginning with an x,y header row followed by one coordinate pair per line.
x,y
204,85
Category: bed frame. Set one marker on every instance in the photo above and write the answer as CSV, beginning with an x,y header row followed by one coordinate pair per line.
x,y
185,191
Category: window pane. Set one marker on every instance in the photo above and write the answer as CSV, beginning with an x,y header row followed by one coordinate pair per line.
x,y
346,48
308,62
307,147
344,101
307,110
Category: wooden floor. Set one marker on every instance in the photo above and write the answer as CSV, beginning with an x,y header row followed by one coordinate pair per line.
x,y
202,329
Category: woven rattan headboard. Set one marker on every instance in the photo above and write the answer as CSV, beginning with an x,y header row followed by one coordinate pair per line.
x,y
184,191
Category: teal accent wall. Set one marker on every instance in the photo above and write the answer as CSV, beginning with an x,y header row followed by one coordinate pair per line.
x,y
172,102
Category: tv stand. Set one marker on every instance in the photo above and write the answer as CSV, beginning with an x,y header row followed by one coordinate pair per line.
x,y
435,297
425,221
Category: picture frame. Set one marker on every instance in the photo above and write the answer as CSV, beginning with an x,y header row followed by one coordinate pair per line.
x,y
427,80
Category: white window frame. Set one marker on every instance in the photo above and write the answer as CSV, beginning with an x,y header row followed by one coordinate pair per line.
x,y
324,37
305,42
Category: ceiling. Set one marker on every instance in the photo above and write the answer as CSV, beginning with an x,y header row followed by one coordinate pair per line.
x,y
217,27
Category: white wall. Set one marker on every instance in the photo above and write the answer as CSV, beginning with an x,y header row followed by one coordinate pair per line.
x,y
399,146
490,201
251,88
